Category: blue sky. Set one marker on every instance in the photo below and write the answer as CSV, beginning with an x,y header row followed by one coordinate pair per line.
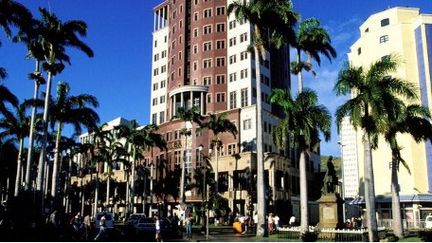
x,y
120,34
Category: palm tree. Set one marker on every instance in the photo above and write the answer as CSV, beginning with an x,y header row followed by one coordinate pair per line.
x,y
374,91
75,110
314,40
414,120
140,138
17,126
188,116
263,15
304,120
13,13
6,96
219,124
55,36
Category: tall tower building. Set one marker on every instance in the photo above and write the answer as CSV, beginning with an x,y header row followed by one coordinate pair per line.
x,y
407,33
201,58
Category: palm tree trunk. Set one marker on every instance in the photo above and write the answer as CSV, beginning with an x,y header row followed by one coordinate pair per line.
x,y
18,172
108,189
261,203
31,139
217,168
96,189
304,213
396,208
299,75
183,172
56,162
370,191
132,181
41,165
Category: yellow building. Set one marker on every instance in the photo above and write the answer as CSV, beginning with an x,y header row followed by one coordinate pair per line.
x,y
407,33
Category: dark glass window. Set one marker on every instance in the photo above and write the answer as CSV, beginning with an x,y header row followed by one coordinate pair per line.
x,y
385,22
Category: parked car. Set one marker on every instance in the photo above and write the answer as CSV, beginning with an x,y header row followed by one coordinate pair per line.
x,y
109,219
147,227
133,218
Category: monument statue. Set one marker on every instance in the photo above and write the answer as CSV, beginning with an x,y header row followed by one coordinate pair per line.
x,y
330,179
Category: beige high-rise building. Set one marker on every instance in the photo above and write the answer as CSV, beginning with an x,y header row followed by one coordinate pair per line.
x,y
407,33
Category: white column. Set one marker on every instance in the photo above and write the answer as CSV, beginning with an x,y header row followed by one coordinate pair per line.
x,y
191,98
164,15
181,100
202,103
154,21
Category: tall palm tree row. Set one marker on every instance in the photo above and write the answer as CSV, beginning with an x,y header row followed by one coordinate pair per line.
x,y
304,120
139,139
375,97
55,36
74,110
264,16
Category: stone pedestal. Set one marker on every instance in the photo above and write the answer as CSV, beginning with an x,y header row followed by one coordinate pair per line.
x,y
330,211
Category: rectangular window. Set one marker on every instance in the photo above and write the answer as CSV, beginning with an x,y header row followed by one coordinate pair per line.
x,y
233,77
232,41
243,73
156,57
220,44
209,98
162,117
207,63
155,86
243,37
359,51
155,101
207,29
233,59
220,11
244,97
155,71
154,118
207,81
207,46
247,124
220,79
232,148
220,97
195,66
220,61
232,24
233,100
220,27
195,32
161,99
196,16
243,55
384,39
164,54
163,69
163,84
195,49
207,13
385,22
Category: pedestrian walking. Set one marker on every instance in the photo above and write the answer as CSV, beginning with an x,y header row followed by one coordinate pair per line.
x,y
188,225
87,227
276,222
270,223
102,228
157,226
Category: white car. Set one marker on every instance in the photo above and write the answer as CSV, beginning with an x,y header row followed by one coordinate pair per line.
x,y
109,219
428,222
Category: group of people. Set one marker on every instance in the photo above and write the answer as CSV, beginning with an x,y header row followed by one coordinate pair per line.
x,y
353,223
273,223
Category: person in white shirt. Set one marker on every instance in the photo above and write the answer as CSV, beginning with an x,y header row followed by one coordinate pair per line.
x,y
276,222
292,220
